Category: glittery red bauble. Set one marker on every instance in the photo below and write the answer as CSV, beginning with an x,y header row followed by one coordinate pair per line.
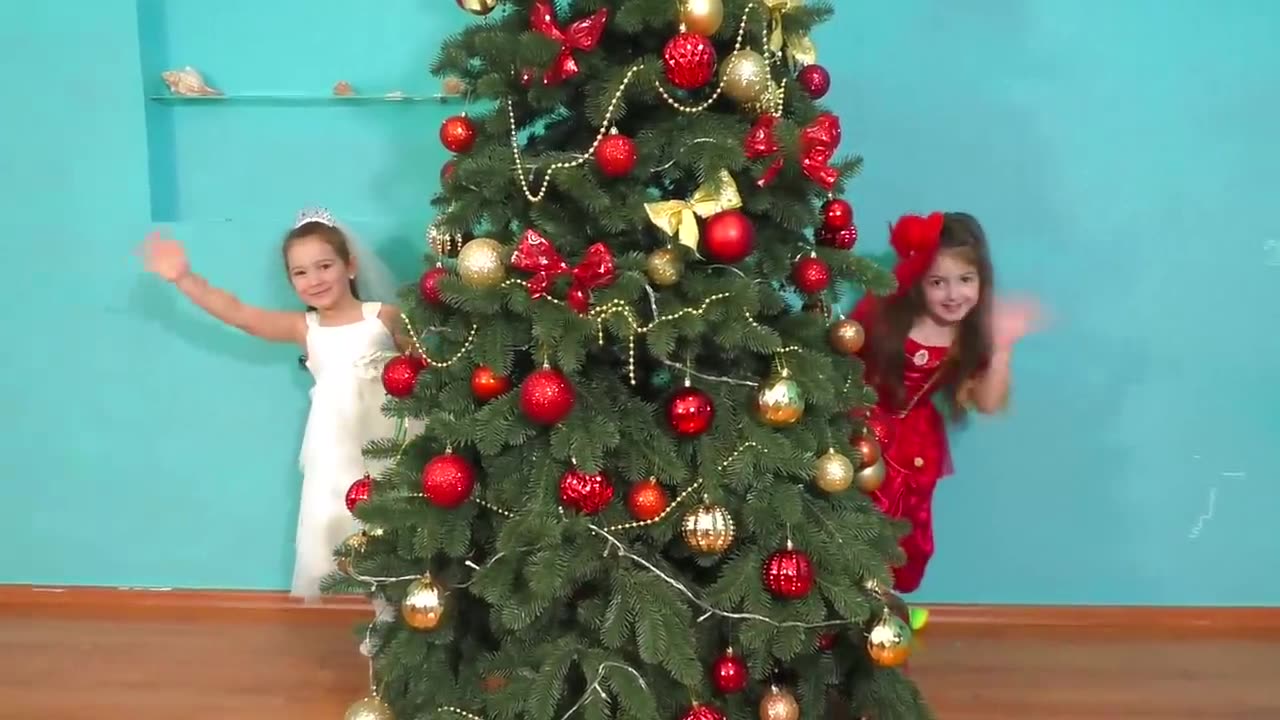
x,y
811,275
447,480
546,396
689,60
487,384
729,674
647,500
728,237
837,214
446,171
690,412
838,239
585,493
400,374
429,285
827,641
359,492
458,134
788,574
815,80
616,155
702,712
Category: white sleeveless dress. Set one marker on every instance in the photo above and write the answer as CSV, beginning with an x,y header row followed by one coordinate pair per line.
x,y
346,413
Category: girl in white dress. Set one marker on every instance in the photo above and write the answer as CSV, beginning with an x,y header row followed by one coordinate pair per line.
x,y
347,342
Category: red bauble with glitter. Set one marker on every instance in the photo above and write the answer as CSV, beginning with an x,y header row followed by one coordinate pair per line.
x,y
447,480
837,214
811,275
429,285
647,500
702,712
729,674
359,492
487,384
788,574
586,493
729,237
815,80
446,171
400,374
546,396
838,239
689,60
690,412
458,134
616,155
827,641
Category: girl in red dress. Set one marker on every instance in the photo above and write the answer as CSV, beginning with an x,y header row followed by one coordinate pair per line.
x,y
942,336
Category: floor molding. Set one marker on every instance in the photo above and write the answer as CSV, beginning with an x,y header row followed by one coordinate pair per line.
x,y
166,603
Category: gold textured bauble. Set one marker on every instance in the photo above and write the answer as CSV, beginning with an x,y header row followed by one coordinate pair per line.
x,y
423,605
664,267
708,529
480,263
702,17
868,449
779,402
478,7
833,472
370,708
745,75
847,336
779,704
347,551
870,478
889,641
770,101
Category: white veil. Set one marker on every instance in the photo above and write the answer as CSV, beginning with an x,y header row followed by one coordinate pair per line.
x,y
373,279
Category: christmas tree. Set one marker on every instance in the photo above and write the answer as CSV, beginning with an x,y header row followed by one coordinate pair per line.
x,y
640,491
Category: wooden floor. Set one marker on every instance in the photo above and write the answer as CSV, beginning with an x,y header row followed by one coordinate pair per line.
x,y
63,667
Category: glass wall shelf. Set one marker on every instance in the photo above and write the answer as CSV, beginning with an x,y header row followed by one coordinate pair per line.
x,y
294,99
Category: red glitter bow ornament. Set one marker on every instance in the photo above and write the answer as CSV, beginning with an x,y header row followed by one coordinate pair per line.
x,y
582,35
915,238
537,255
761,142
818,141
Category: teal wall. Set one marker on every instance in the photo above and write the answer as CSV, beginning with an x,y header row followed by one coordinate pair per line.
x,y
1121,154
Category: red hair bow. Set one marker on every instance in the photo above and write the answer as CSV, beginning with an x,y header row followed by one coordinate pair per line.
x,y
915,238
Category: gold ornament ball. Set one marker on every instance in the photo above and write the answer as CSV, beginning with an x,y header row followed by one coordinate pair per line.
x,y
664,267
833,472
779,704
370,708
702,17
478,7
708,529
847,336
779,402
480,263
770,101
889,641
423,605
745,75
355,543
870,478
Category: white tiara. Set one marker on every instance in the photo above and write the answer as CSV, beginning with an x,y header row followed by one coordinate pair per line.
x,y
319,215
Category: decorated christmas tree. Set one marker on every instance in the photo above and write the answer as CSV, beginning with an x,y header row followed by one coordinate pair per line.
x,y
640,490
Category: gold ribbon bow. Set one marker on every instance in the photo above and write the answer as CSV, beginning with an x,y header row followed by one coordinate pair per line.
x,y
800,49
679,218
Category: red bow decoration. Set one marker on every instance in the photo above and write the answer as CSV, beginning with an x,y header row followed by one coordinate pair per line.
x,y
915,238
537,255
818,141
761,142
582,34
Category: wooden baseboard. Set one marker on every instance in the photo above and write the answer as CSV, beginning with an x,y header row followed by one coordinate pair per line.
x,y
172,604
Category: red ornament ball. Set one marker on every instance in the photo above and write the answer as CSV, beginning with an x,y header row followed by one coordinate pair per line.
x,y
616,155
837,214
585,493
729,674
838,239
690,412
546,396
689,60
827,641
458,134
815,80
487,384
811,275
359,492
702,712
447,480
788,574
400,374
647,500
729,237
446,171
429,285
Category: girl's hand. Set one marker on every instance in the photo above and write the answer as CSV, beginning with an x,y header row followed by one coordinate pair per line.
x,y
165,257
1012,320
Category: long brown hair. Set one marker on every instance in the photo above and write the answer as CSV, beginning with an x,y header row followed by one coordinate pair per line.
x,y
962,237
330,235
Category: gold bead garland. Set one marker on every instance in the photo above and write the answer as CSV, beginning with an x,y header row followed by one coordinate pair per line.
x,y
417,345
